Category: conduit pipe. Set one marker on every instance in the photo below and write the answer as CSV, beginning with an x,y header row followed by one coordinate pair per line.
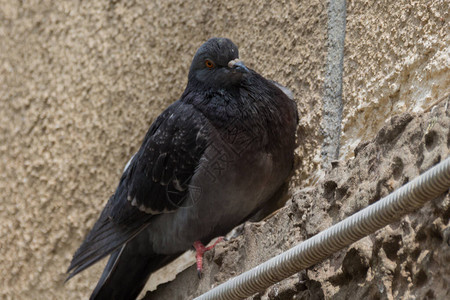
x,y
385,211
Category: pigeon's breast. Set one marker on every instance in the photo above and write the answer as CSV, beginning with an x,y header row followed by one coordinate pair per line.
x,y
227,187
248,157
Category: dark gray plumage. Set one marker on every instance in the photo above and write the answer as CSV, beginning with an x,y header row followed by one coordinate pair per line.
x,y
208,162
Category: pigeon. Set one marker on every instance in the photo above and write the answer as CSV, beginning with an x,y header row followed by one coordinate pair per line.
x,y
207,163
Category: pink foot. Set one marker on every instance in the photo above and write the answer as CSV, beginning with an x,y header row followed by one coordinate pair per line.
x,y
200,249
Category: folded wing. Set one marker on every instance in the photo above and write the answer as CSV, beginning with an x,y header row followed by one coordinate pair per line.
x,y
155,181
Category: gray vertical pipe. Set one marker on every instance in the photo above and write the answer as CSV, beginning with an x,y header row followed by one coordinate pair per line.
x,y
332,97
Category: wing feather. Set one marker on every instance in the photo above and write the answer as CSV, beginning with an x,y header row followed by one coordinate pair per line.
x,y
154,181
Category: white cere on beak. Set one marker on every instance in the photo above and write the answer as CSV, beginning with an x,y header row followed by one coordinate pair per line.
x,y
231,63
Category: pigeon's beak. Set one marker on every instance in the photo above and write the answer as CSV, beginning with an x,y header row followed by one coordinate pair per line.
x,y
238,65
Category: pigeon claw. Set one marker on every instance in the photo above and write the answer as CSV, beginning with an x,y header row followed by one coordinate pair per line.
x,y
200,250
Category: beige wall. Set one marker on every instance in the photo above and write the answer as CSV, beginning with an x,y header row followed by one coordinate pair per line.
x,y
397,59
80,83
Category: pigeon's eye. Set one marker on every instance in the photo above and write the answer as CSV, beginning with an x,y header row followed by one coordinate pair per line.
x,y
209,64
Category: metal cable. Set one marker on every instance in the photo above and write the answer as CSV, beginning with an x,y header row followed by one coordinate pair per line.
x,y
385,211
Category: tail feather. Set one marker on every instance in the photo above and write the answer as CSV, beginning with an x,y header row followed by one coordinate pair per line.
x,y
109,269
103,239
128,269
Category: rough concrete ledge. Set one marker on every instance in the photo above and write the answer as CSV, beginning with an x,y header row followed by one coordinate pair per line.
x,y
407,258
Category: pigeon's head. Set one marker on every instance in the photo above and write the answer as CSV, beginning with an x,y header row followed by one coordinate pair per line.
x,y
216,65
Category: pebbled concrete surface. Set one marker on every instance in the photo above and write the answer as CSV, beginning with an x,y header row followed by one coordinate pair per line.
x,y
397,59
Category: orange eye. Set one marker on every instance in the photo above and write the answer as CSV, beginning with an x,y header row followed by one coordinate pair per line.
x,y
209,64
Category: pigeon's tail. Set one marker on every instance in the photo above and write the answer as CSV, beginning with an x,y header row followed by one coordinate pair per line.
x,y
104,238
128,270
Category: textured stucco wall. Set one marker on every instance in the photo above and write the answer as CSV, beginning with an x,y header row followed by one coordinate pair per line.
x,y
80,83
397,59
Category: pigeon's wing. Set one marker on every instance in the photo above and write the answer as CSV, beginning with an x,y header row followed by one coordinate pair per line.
x,y
284,89
159,175
155,181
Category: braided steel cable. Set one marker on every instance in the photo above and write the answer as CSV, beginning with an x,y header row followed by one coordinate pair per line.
x,y
391,208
